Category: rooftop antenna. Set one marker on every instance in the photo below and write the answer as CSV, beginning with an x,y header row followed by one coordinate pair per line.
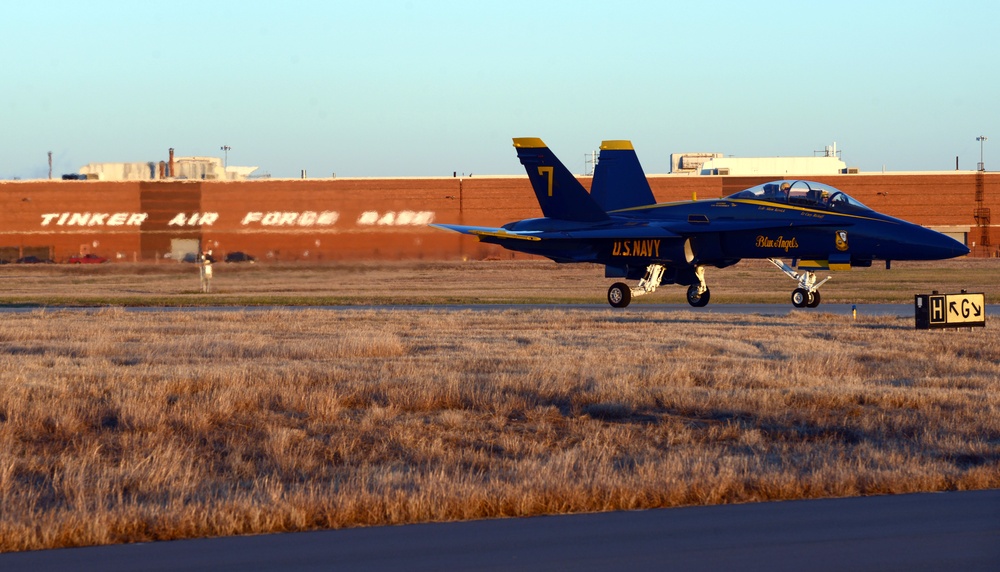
x,y
589,163
829,151
981,139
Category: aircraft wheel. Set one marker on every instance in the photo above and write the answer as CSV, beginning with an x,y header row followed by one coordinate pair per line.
x,y
619,295
800,297
814,300
695,300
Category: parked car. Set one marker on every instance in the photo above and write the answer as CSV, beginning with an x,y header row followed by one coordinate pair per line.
x,y
240,257
32,260
86,259
193,257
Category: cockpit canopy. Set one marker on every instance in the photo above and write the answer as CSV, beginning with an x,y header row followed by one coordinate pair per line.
x,y
801,193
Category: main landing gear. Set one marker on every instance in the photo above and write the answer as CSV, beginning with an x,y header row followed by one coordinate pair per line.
x,y
807,294
698,294
620,294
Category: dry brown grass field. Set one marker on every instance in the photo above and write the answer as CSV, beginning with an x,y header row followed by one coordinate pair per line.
x,y
120,426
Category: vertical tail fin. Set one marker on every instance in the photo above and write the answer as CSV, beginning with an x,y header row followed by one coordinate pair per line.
x,y
619,182
559,194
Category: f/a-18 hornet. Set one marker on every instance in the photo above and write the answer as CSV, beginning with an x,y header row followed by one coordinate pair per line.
x,y
619,224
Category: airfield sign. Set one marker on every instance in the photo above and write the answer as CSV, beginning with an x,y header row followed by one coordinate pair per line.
x,y
963,310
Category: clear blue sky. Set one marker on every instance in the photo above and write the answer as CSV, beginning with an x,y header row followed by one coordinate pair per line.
x,y
411,88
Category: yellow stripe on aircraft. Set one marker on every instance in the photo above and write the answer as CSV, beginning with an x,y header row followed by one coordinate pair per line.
x,y
823,265
797,208
529,143
813,265
503,235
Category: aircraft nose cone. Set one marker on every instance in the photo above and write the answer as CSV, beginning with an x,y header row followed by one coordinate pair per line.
x,y
937,246
959,249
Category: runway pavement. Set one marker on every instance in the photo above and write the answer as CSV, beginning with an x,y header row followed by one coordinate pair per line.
x,y
930,531
900,310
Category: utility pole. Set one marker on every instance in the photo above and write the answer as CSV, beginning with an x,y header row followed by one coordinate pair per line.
x,y
50,165
225,149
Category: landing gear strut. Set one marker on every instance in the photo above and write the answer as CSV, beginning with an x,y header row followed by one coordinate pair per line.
x,y
698,294
620,294
807,294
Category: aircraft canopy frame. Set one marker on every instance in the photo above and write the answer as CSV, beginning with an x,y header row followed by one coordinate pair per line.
x,y
802,193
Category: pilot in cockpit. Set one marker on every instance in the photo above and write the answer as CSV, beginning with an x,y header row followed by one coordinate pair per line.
x,y
818,196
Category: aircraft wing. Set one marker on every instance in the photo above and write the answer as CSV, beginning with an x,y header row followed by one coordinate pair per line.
x,y
660,229
614,232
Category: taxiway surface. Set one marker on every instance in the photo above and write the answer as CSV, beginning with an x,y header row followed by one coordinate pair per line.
x,y
928,531
899,310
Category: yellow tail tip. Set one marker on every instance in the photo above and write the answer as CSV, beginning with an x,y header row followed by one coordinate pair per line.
x,y
617,145
528,143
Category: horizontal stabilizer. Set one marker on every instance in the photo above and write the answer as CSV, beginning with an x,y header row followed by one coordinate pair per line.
x,y
488,231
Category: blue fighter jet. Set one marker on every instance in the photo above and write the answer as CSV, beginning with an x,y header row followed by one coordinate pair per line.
x,y
619,224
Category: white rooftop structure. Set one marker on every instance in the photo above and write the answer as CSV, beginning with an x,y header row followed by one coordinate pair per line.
x,y
717,164
208,168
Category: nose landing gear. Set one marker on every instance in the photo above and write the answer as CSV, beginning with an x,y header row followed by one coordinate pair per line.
x,y
802,298
807,294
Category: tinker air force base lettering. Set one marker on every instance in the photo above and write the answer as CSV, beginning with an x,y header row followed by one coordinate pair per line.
x,y
93,219
269,219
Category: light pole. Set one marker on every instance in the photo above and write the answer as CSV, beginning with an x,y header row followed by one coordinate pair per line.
x,y
981,139
225,149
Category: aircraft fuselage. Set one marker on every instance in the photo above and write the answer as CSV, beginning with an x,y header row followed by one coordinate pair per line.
x,y
723,231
